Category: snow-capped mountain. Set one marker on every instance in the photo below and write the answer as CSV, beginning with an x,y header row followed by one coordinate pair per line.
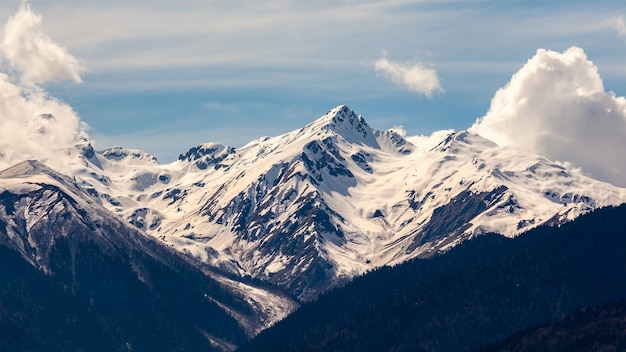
x,y
62,229
310,209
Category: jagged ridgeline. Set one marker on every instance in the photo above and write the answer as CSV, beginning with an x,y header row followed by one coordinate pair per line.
x,y
310,209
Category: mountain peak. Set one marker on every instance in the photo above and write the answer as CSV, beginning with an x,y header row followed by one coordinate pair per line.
x,y
345,122
129,156
207,154
341,115
25,168
34,171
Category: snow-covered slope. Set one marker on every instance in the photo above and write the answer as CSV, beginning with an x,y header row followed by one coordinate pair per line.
x,y
44,213
310,209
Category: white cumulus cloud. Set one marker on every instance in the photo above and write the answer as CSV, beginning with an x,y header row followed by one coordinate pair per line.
x,y
32,54
413,76
556,106
34,125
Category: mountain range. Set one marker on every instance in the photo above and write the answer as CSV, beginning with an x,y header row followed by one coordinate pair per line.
x,y
310,209
250,233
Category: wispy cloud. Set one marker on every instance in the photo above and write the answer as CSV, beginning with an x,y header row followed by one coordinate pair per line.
x,y
151,36
414,76
619,26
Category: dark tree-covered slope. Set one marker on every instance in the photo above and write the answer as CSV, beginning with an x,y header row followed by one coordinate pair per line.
x,y
36,315
591,329
480,292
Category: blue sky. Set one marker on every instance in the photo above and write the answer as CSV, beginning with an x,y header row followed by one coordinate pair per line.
x,y
164,76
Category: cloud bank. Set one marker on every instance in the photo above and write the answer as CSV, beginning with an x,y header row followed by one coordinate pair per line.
x,y
556,106
414,77
35,56
34,125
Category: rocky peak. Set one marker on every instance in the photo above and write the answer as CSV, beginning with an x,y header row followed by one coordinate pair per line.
x,y
129,156
207,154
344,122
